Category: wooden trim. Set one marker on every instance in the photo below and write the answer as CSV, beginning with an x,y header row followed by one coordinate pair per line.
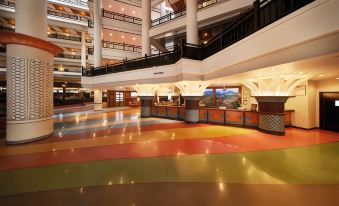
x,y
23,39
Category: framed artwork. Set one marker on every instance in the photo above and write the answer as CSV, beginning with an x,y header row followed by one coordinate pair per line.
x,y
300,90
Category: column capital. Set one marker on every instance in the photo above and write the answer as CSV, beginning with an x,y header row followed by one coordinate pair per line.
x,y
145,90
192,88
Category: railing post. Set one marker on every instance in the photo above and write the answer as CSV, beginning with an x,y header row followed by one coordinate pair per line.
x,y
106,67
145,59
123,65
256,14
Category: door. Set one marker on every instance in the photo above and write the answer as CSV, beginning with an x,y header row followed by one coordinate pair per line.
x,y
119,99
329,111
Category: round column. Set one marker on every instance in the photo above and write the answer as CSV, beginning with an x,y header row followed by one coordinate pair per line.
x,y
97,33
146,26
192,109
271,114
29,87
83,49
31,18
97,99
191,22
146,103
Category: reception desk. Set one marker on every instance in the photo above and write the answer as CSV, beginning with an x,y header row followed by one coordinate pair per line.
x,y
233,117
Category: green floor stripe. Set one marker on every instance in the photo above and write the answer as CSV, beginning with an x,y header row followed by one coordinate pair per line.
x,y
317,164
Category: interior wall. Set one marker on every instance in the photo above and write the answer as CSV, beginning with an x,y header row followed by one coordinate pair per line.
x,y
324,86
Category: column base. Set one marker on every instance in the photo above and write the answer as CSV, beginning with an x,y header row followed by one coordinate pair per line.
x,y
18,132
97,106
192,109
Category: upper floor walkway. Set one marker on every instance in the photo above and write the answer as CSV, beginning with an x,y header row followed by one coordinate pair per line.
x,y
275,32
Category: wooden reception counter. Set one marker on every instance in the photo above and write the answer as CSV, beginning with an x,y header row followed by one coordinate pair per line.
x,y
235,117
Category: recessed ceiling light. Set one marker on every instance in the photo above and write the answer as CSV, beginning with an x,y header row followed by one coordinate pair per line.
x,y
110,34
109,6
301,72
122,9
321,75
133,38
122,36
133,12
337,78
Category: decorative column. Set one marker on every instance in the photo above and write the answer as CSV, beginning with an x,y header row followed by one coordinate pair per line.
x,y
192,91
192,22
97,33
146,26
83,49
97,99
271,114
146,94
29,74
271,93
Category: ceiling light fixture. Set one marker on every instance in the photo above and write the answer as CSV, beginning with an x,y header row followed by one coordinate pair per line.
x,y
321,75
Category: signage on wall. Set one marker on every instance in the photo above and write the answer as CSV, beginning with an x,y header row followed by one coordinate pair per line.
x,y
337,103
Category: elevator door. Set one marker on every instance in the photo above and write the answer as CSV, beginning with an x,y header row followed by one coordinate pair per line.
x,y
329,111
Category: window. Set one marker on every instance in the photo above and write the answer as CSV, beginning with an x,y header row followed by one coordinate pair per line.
x,y
119,96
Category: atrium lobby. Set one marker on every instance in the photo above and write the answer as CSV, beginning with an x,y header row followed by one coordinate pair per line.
x,y
185,103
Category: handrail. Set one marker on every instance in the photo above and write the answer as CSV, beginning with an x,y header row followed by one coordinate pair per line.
x,y
68,56
61,36
119,46
7,3
263,13
173,15
121,17
6,28
75,2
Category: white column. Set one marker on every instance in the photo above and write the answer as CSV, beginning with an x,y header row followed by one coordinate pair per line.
x,y
97,33
31,18
97,99
191,21
29,77
83,49
146,26
163,8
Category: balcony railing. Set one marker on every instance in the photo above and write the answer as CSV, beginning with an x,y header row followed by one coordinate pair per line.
x,y
67,16
6,28
262,14
173,15
7,4
121,17
60,36
68,56
118,46
76,2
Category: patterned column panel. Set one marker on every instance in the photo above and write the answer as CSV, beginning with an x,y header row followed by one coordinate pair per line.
x,y
30,89
271,122
16,89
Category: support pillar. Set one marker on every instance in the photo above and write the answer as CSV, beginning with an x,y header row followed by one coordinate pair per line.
x,y
97,33
192,91
271,114
29,74
146,26
83,49
97,100
192,22
145,108
192,109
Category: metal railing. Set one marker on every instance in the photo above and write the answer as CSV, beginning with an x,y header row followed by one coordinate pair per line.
x,y
173,15
263,13
121,17
7,3
6,28
67,15
68,56
118,46
75,2
61,36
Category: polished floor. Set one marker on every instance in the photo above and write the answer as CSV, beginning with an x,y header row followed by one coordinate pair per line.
x,y
116,158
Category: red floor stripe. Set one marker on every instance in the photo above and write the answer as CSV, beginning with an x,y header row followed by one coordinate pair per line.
x,y
230,144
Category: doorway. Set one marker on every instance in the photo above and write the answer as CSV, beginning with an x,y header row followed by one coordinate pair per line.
x,y
329,111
